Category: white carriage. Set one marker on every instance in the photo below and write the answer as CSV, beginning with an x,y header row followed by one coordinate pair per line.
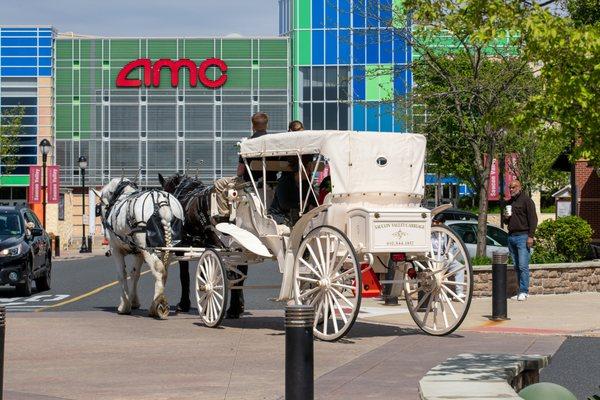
x,y
372,216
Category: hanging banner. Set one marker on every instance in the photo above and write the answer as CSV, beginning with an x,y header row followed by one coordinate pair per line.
x,y
35,185
493,184
53,176
511,172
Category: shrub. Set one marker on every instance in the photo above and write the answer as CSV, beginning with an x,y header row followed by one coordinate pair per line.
x,y
566,239
481,261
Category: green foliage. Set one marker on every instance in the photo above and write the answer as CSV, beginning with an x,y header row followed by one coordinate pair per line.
x,y
566,239
584,12
10,126
567,55
481,261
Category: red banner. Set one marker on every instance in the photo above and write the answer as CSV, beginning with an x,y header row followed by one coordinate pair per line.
x,y
35,185
493,184
511,172
53,184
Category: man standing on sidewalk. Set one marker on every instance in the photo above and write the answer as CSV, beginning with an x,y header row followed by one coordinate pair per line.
x,y
522,221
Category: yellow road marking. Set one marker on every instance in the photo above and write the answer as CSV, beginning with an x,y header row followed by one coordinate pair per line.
x,y
83,296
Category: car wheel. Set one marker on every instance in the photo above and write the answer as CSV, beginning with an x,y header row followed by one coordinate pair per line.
x,y
24,289
43,282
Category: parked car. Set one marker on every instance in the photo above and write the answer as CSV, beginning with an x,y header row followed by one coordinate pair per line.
x,y
497,239
454,214
25,251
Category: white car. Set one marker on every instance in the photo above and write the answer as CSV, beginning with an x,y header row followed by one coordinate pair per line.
x,y
497,239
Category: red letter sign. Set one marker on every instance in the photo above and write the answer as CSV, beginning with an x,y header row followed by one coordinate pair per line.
x,y
212,62
124,81
152,72
174,66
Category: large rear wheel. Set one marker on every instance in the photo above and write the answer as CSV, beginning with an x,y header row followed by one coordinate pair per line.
x,y
327,276
438,290
211,288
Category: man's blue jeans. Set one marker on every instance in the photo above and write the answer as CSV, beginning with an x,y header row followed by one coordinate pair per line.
x,y
517,246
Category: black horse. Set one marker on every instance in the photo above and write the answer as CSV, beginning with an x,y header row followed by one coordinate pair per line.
x,y
194,196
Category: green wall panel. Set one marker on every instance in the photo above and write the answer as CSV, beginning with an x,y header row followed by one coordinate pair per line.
x,y
304,13
64,120
379,83
236,49
304,48
162,48
64,49
273,78
63,81
121,49
273,49
198,49
239,78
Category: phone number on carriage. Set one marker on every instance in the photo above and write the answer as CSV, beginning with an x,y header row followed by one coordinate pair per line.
x,y
399,234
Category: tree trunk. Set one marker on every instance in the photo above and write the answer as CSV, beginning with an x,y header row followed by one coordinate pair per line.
x,y
482,221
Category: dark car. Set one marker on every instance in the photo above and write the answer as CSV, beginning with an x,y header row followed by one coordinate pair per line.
x,y
454,214
25,252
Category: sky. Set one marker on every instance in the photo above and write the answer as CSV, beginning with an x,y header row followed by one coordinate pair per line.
x,y
141,18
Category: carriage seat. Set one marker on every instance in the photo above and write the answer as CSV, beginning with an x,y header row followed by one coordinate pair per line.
x,y
282,165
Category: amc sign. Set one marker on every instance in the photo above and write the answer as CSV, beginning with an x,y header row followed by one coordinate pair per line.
x,y
152,72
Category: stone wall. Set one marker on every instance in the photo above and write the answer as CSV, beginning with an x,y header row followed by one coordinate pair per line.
x,y
544,279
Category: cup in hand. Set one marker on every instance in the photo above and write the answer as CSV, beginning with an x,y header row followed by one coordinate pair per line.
x,y
508,211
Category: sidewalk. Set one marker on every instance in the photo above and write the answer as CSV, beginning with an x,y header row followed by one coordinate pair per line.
x,y
74,254
567,314
98,354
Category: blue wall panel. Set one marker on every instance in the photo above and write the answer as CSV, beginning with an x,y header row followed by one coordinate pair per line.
x,y
318,52
344,46
358,14
372,13
46,42
18,71
399,50
358,117
19,51
358,46
385,47
45,51
45,72
331,12
331,43
18,61
318,14
372,117
18,42
386,115
45,62
385,13
358,83
345,12
372,46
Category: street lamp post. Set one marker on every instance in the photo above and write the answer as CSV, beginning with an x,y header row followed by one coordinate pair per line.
x,y
82,166
45,148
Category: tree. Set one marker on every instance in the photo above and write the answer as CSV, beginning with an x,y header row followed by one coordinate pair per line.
x,y
471,80
568,52
10,127
584,12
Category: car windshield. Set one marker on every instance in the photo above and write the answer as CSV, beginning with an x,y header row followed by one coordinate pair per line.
x,y
10,224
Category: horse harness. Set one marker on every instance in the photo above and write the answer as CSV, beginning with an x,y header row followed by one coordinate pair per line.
x,y
136,226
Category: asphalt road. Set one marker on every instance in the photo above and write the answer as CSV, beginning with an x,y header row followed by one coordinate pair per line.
x,y
90,284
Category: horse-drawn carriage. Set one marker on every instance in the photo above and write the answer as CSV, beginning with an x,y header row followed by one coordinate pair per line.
x,y
371,218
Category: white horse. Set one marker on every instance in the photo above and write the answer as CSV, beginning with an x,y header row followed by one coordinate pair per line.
x,y
133,219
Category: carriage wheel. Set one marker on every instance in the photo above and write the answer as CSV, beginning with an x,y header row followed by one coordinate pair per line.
x,y
327,276
438,291
211,288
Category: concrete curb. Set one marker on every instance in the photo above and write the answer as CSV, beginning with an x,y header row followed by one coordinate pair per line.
x,y
481,376
582,264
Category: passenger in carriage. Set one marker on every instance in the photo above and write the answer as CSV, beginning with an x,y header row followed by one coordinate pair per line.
x,y
285,206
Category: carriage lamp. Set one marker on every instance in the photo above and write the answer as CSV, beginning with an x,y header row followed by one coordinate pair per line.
x,y
399,257
45,148
83,163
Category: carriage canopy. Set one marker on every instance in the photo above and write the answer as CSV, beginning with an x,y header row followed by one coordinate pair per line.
x,y
359,162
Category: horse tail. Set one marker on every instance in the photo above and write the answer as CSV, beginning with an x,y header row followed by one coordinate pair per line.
x,y
166,217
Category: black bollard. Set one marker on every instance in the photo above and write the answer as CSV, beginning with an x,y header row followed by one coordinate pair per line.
x,y
299,356
499,306
89,241
56,246
390,275
2,334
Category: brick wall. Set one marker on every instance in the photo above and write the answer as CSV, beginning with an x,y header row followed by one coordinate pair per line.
x,y
588,195
544,279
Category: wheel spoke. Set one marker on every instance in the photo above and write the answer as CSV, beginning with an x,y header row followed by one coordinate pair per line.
x,y
435,311
325,314
339,307
350,273
317,314
309,292
454,283
306,279
449,304
321,254
453,272
341,285
217,303
340,262
218,294
420,304
430,297
454,295
333,317
341,296
311,268
314,257
441,301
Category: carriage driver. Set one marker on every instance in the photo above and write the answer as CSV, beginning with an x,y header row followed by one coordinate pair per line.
x,y
260,123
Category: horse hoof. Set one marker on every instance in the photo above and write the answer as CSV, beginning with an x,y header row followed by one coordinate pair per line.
x,y
135,306
160,309
123,312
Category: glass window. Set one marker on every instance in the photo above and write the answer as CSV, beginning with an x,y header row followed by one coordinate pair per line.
x,y
466,232
343,116
331,83
499,237
305,79
343,82
10,224
317,83
331,116
305,111
317,116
